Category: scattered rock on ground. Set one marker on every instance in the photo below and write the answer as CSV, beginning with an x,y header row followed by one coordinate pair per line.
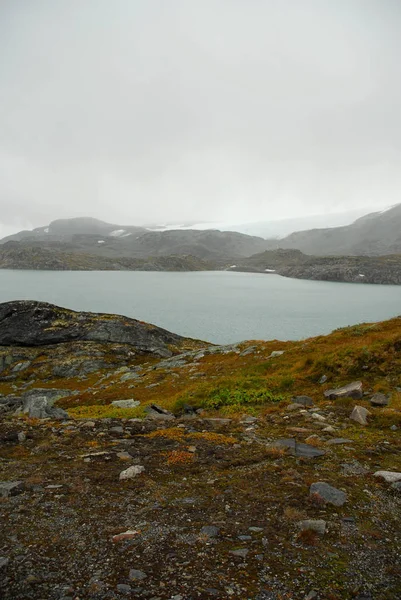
x,y
352,390
126,403
11,488
379,399
328,493
360,415
388,476
131,472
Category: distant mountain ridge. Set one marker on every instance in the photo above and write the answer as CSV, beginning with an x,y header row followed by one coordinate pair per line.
x,y
94,237
375,234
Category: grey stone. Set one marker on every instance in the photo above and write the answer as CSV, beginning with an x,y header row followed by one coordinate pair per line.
x,y
157,412
360,415
136,575
11,488
317,525
336,441
21,366
131,403
396,486
352,390
241,552
393,427
124,588
388,476
328,493
255,529
299,449
4,561
210,531
39,403
323,379
294,406
276,353
128,376
379,399
249,350
131,472
304,400
116,429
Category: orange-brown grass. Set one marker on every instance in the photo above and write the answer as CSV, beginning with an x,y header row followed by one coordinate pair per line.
x,y
179,457
293,514
215,438
174,433
308,537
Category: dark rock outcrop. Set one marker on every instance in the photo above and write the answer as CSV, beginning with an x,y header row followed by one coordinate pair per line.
x,y
32,323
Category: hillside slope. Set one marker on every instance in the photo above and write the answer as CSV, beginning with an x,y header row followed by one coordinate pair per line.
x,y
375,234
222,472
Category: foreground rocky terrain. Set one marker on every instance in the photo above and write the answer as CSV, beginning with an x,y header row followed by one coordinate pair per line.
x,y
262,470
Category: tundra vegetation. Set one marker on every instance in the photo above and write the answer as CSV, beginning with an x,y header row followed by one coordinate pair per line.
x,y
229,472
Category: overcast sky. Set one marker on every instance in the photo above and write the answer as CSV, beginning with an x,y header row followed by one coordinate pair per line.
x,y
140,111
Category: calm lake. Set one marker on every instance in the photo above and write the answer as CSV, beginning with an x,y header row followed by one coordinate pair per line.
x,y
217,306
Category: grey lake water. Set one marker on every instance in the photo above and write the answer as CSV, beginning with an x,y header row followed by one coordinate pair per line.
x,y
217,306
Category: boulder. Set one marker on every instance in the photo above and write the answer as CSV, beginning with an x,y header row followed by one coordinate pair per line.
x,y
327,493
131,472
304,400
33,323
360,415
379,399
157,412
126,403
352,390
388,476
276,353
299,449
11,488
39,404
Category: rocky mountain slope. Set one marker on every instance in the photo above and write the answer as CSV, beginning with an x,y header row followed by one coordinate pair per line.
x,y
349,269
90,236
245,471
374,234
33,256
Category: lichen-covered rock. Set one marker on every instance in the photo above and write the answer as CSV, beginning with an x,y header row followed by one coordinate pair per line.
x,y
32,323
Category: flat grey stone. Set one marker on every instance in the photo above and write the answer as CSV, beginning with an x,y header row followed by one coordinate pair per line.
x,y
299,449
304,400
11,488
210,531
328,493
136,575
126,403
352,390
388,476
379,399
131,472
336,441
241,552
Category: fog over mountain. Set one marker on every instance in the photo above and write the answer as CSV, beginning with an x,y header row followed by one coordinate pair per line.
x,y
142,112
